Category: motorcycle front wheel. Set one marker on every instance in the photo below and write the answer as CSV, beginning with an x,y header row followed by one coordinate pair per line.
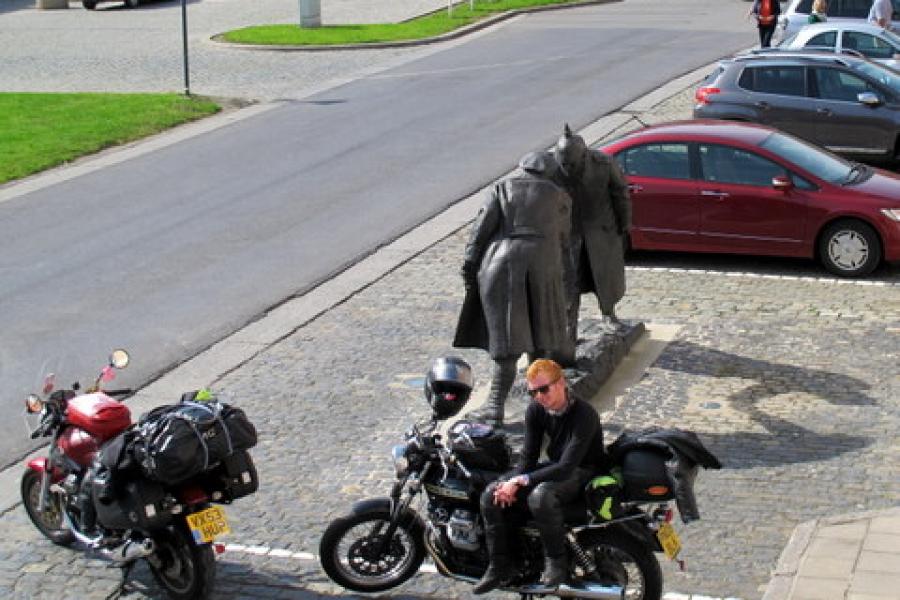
x,y
50,521
356,555
625,561
183,569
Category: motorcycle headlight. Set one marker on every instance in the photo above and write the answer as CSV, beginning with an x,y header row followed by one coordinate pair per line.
x,y
401,462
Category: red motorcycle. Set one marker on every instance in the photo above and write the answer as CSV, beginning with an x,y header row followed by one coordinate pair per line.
x,y
77,496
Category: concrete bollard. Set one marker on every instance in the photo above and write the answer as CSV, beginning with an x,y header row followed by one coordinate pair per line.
x,y
310,13
45,4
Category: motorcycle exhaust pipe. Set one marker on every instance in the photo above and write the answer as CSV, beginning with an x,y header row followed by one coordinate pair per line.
x,y
128,552
594,591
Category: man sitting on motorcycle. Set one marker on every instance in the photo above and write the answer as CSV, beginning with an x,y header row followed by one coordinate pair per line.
x,y
575,452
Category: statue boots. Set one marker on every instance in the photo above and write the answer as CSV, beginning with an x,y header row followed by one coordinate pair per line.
x,y
556,571
501,569
504,374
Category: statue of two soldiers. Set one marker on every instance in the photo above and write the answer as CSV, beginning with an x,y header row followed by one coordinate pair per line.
x,y
553,229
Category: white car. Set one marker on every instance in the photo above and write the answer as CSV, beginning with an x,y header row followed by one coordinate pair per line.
x,y
871,41
795,14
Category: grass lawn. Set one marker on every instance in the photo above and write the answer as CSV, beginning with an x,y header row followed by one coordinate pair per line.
x,y
39,131
421,27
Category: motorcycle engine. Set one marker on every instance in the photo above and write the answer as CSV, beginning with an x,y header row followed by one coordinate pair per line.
x,y
462,531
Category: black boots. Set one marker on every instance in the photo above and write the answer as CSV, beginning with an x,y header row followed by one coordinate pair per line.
x,y
500,571
556,571
504,374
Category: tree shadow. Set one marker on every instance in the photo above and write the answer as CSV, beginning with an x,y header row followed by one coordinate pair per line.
x,y
786,442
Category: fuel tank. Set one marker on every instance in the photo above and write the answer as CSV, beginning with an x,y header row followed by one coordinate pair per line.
x,y
79,445
98,414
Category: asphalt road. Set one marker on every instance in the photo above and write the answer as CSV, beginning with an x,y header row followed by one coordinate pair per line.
x,y
168,252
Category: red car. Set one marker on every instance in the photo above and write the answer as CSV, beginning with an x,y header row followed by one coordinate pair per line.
x,y
728,187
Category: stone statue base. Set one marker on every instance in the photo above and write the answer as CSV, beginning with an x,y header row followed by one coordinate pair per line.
x,y
599,351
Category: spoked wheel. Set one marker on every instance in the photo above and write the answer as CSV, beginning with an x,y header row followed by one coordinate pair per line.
x,y
623,561
50,521
183,569
356,554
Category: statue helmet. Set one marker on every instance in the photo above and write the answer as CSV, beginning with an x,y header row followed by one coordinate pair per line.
x,y
570,152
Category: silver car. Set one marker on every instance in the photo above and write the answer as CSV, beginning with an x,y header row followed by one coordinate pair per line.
x,y
796,14
849,105
869,40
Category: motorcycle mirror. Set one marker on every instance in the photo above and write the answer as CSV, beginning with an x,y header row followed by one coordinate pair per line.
x,y
33,403
119,359
49,383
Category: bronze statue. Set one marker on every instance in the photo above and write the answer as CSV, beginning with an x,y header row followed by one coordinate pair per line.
x,y
514,270
601,217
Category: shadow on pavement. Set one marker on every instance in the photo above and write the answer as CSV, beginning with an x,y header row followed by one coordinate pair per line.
x,y
786,442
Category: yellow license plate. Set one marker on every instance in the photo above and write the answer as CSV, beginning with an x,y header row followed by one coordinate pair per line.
x,y
208,524
669,540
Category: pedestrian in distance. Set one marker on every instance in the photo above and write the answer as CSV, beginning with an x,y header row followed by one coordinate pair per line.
x,y
819,12
881,13
575,452
766,14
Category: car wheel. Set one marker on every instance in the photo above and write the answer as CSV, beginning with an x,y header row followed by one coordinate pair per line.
x,y
849,248
89,4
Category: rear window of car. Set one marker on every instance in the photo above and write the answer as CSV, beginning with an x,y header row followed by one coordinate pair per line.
x,y
823,40
783,80
666,161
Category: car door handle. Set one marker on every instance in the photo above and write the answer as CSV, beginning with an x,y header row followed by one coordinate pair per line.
x,y
763,105
633,187
824,111
714,194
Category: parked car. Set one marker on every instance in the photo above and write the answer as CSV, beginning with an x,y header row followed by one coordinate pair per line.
x,y
740,188
849,105
92,4
796,14
873,42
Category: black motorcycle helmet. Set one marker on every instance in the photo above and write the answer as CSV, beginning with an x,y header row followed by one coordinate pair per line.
x,y
448,386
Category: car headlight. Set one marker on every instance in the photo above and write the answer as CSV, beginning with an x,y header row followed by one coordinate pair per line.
x,y
401,462
891,213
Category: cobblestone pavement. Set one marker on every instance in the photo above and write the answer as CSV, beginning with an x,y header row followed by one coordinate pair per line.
x,y
140,50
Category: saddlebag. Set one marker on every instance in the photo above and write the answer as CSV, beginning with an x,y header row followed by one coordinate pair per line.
x,y
235,477
479,446
179,441
133,504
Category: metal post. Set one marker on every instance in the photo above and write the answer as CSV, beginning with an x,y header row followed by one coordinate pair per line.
x,y
187,78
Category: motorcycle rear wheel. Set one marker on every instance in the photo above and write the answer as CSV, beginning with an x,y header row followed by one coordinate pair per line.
x,y
50,521
350,555
625,561
183,569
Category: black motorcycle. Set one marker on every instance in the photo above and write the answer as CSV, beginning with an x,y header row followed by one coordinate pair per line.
x,y
612,533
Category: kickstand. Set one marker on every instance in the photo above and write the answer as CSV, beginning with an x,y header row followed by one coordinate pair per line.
x,y
123,585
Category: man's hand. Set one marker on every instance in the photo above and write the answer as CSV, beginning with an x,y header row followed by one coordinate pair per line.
x,y
505,493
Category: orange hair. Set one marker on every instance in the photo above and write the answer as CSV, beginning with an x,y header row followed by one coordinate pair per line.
x,y
548,367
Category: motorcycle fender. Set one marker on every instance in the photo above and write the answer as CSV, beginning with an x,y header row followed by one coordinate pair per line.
x,y
378,505
38,465
638,530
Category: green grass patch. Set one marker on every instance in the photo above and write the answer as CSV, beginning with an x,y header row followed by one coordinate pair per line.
x,y
415,29
39,131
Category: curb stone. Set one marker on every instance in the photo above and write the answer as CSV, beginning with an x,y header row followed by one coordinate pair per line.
x,y
450,35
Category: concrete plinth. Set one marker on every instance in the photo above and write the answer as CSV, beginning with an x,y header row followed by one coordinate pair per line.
x,y
310,13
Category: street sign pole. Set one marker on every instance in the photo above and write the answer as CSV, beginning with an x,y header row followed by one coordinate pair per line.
x,y
184,39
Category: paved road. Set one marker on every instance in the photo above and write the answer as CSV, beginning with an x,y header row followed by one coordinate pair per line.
x,y
167,252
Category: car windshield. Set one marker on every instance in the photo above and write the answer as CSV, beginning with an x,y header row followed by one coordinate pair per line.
x,y
892,37
788,41
882,75
808,157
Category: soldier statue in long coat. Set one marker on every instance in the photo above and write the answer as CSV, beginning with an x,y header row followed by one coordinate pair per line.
x,y
515,269
601,217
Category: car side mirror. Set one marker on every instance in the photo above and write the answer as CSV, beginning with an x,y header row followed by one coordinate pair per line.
x,y
782,183
868,98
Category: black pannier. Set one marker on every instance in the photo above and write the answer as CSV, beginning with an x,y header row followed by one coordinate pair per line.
x,y
179,441
646,476
235,477
479,446
135,504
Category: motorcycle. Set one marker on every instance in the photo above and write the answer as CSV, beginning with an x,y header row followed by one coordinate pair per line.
x,y
75,499
611,540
